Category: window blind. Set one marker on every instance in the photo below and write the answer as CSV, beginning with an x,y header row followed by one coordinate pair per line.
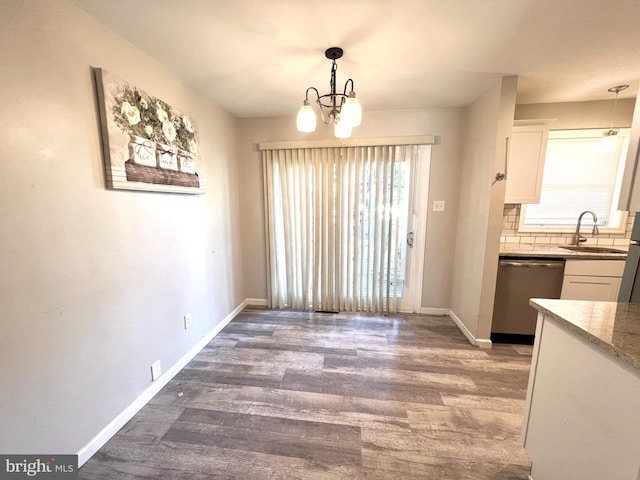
x,y
581,173
334,226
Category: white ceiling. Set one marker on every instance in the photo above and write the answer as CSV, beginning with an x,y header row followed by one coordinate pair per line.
x,y
256,57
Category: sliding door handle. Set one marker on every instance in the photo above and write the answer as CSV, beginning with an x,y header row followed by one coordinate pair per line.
x,y
410,239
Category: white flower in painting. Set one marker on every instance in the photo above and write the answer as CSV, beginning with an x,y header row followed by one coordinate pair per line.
x,y
162,115
143,104
148,129
193,146
187,124
131,113
169,131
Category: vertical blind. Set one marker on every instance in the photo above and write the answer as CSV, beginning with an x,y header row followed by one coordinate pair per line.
x,y
333,221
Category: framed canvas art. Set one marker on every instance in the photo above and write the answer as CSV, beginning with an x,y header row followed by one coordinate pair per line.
x,y
147,144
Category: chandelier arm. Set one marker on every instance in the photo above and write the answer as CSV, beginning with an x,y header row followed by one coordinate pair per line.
x,y
324,120
329,101
306,95
329,98
345,87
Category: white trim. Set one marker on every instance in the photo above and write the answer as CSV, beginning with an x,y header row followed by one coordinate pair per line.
x,y
434,311
351,142
86,452
257,302
477,342
533,122
419,213
620,217
406,310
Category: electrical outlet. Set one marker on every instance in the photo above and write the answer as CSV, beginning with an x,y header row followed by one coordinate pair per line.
x,y
187,320
156,371
438,206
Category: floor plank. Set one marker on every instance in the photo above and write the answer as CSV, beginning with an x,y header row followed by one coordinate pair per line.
x,y
298,395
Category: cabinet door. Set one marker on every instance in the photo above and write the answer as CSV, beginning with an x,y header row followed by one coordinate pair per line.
x,y
583,287
527,149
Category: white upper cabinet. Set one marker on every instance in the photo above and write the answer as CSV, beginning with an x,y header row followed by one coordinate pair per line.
x,y
630,190
527,149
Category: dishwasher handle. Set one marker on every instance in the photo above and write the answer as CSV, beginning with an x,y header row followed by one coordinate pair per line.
x,y
531,263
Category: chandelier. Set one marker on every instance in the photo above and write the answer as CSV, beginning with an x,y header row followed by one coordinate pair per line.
x,y
341,109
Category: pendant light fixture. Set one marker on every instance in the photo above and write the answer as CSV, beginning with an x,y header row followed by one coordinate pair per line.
x,y
614,131
341,109
609,137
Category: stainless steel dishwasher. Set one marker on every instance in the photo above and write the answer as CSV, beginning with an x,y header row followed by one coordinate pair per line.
x,y
520,279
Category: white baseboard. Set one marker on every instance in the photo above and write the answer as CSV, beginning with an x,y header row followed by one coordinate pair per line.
x,y
257,302
434,311
86,452
477,342
484,342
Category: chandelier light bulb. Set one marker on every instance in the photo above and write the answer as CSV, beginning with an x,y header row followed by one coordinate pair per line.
x,y
342,129
306,120
351,111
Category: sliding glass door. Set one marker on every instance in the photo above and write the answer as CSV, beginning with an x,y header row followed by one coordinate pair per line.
x,y
339,226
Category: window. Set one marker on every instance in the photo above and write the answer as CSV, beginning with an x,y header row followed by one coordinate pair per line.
x,y
583,171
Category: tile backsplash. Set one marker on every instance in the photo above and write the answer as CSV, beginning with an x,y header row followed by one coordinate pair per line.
x,y
510,234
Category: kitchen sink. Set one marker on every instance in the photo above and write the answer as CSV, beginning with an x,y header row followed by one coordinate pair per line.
x,y
589,249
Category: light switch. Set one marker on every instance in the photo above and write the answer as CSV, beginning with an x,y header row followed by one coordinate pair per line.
x,y
438,206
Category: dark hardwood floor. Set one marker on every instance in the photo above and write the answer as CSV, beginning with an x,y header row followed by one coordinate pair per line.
x,y
292,395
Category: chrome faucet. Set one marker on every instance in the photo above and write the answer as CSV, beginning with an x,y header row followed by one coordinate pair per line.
x,y
577,239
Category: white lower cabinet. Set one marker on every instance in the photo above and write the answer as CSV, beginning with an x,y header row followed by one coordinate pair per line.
x,y
597,280
576,287
582,417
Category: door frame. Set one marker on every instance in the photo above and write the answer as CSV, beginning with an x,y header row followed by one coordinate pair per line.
x,y
418,213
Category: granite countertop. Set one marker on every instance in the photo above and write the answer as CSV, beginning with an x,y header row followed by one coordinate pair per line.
x,y
613,327
554,251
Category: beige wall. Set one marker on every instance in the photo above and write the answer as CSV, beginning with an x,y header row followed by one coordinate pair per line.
x,y
447,124
480,211
494,229
94,282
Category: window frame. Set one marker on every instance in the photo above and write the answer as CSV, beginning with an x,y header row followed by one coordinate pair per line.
x,y
620,215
